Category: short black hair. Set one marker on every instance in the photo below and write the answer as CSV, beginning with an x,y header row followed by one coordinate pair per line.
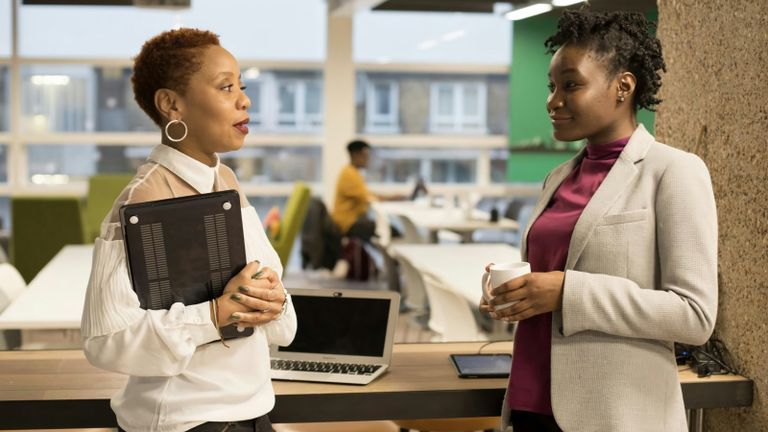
x,y
357,146
623,40
168,60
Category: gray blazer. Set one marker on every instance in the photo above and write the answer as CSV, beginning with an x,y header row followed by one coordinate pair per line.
x,y
641,274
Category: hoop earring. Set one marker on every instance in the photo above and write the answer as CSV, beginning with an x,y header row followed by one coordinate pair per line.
x,y
181,122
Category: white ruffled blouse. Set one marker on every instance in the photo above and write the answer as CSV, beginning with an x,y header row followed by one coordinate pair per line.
x,y
178,379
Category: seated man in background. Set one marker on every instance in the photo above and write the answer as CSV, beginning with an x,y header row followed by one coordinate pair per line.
x,y
353,198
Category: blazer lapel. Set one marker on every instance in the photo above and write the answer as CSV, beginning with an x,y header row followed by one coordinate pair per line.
x,y
553,182
621,174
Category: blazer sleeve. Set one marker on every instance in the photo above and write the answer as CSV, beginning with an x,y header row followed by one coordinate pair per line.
x,y
682,306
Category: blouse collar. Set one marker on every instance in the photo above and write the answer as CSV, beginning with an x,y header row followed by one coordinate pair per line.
x,y
197,174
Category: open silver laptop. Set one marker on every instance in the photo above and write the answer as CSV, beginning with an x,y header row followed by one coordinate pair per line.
x,y
343,336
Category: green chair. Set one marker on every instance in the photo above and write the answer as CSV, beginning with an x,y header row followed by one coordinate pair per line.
x,y
292,221
103,189
42,225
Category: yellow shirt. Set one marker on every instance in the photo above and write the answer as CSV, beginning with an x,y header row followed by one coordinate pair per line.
x,y
352,198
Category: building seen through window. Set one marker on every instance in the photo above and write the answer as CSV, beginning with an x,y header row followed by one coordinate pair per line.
x,y
430,103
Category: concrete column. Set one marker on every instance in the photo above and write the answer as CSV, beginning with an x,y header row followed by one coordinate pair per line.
x,y
338,100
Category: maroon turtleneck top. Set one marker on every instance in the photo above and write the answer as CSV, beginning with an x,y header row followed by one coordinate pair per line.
x,y
548,242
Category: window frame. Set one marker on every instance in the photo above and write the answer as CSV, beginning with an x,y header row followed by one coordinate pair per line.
x,y
302,120
456,122
382,123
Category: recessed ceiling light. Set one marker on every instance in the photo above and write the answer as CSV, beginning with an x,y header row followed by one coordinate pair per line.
x,y
528,11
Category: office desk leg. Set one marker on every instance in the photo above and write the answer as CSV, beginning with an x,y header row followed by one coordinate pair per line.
x,y
695,420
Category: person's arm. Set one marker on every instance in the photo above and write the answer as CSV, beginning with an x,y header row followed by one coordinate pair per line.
x,y
120,336
684,307
394,197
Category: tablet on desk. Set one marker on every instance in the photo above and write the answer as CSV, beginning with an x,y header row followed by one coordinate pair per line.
x,y
482,365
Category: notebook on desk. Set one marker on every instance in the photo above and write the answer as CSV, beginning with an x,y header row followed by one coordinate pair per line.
x,y
343,336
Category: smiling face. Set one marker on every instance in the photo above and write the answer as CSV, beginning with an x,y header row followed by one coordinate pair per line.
x,y
584,101
214,107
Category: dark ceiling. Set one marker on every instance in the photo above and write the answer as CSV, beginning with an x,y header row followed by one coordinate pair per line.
x,y
486,6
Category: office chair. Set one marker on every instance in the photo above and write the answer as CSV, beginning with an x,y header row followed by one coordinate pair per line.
x,y
42,225
103,189
292,221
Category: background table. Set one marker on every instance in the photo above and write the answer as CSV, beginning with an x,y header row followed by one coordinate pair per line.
x,y
459,267
48,389
48,312
434,219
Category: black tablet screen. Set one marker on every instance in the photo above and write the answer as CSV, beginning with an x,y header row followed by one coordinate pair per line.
x,y
482,365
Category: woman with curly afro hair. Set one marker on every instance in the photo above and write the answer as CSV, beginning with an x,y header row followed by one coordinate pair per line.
x,y
622,247
183,375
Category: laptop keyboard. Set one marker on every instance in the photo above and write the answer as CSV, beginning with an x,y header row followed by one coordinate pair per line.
x,y
310,366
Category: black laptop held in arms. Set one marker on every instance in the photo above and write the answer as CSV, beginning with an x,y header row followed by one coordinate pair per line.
x,y
184,249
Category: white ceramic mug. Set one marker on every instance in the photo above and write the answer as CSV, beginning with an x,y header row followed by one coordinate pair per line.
x,y
500,273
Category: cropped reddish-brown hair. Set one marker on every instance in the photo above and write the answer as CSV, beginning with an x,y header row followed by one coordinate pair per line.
x,y
167,60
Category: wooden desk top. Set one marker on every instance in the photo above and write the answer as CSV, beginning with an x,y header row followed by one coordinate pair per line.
x,y
421,383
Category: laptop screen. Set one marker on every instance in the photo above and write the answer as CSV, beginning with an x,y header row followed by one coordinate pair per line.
x,y
340,325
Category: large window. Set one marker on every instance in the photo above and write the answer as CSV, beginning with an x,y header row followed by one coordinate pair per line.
x,y
77,115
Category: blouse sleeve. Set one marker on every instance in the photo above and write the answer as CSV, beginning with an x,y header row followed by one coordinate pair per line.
x,y
120,336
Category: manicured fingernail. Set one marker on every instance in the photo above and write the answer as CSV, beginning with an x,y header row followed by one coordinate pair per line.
x,y
493,315
236,297
243,289
234,317
258,274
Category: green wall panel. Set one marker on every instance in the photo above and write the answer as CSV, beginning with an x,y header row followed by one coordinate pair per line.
x,y
532,167
528,121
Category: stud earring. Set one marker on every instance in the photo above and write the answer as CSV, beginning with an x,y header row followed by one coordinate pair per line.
x,y
621,98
